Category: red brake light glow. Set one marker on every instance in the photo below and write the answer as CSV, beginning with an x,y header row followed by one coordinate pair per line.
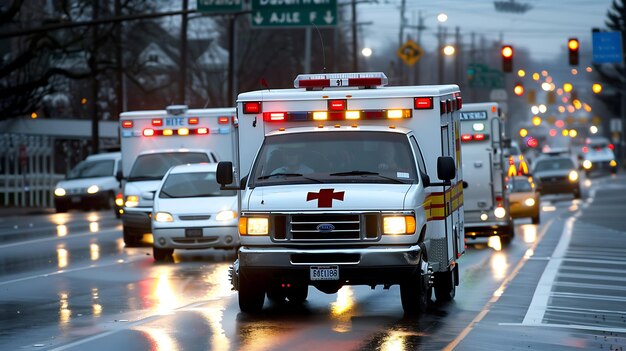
x,y
423,103
611,146
585,149
222,120
252,107
193,120
157,122
127,124
337,105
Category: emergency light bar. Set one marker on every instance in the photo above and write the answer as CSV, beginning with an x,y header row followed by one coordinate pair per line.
x,y
303,116
474,137
340,80
148,132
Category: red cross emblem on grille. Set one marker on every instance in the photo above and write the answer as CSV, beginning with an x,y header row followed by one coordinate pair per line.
x,y
325,197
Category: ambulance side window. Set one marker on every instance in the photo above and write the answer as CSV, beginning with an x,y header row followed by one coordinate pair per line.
x,y
418,155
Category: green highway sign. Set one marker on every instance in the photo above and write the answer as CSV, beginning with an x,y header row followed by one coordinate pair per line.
x,y
220,5
482,76
293,13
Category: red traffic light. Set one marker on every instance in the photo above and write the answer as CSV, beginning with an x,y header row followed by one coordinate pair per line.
x,y
507,58
572,46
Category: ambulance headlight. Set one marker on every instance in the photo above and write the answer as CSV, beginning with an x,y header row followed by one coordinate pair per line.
x,y
613,163
478,127
132,201
59,192
573,176
530,202
393,225
254,226
499,212
484,216
93,189
163,217
225,215
587,164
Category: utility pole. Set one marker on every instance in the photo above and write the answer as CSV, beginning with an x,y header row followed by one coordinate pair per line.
x,y
420,27
93,60
120,90
183,54
355,61
401,80
458,57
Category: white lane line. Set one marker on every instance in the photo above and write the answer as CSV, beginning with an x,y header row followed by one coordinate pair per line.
x,y
56,238
566,326
584,260
583,310
590,297
44,275
539,303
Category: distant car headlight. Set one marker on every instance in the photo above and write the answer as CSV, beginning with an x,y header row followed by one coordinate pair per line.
x,y
119,200
59,192
530,202
93,189
613,163
587,164
573,176
499,212
226,215
484,216
253,225
398,225
163,217
132,201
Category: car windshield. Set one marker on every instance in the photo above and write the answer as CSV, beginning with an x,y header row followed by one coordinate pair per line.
x,y
554,165
197,184
335,157
521,185
154,166
91,169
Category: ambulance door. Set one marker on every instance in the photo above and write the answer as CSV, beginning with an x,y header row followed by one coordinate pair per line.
x,y
478,195
447,149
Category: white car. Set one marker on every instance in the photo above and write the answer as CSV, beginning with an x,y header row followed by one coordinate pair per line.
x,y
597,155
191,212
91,184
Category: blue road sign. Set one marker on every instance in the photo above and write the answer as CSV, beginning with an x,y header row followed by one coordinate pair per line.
x,y
607,47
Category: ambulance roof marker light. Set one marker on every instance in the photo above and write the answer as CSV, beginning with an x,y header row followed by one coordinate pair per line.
x,y
157,122
223,120
340,80
252,107
127,124
193,120
423,103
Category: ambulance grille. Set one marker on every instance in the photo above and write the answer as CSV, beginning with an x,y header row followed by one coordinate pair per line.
x,y
325,227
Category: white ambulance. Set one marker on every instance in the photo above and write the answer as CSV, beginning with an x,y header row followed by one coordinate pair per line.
x,y
485,203
154,141
338,188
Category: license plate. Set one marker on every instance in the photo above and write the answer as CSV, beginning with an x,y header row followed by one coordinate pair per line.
x,y
75,199
324,273
193,232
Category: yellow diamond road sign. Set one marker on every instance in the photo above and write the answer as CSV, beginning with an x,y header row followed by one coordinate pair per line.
x,y
410,52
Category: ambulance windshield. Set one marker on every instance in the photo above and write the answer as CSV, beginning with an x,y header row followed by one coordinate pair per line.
x,y
335,157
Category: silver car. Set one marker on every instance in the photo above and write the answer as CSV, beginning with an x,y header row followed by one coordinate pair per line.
x,y
191,212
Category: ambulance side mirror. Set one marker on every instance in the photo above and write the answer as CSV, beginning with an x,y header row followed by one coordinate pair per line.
x,y
445,168
425,179
119,175
225,175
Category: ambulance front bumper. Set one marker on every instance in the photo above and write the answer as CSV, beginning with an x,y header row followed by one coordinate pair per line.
x,y
380,265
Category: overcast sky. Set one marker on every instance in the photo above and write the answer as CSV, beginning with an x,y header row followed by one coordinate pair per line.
x,y
543,30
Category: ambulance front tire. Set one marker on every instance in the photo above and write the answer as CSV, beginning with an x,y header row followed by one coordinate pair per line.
x,y
415,293
131,237
251,294
445,286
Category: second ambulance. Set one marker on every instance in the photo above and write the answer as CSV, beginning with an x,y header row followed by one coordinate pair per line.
x,y
339,187
154,141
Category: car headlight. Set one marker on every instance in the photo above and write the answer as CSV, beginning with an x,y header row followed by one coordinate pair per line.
x,y
398,225
573,176
163,217
499,212
254,226
119,200
530,202
587,164
484,216
59,192
93,189
132,201
226,215
613,163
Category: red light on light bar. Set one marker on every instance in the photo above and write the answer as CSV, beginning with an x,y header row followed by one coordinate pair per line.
x,y
274,116
314,83
363,82
148,132
466,137
157,122
337,105
222,120
202,131
423,103
127,124
611,146
193,120
479,137
252,107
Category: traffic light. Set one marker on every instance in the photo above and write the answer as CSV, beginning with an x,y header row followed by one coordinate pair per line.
x,y
518,89
572,47
507,58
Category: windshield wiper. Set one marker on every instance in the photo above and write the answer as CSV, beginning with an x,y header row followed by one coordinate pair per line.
x,y
288,175
365,173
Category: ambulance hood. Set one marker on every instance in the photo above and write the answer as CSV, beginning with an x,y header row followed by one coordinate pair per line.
x,y
333,197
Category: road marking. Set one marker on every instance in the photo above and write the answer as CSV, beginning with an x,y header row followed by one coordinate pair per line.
x,y
583,310
55,238
499,292
566,326
589,296
539,303
44,275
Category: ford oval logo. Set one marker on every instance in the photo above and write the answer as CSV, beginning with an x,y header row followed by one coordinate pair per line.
x,y
325,228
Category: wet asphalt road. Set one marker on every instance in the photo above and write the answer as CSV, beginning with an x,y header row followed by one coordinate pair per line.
x,y
68,283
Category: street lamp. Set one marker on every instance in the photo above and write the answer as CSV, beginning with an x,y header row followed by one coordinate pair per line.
x,y
367,52
449,50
